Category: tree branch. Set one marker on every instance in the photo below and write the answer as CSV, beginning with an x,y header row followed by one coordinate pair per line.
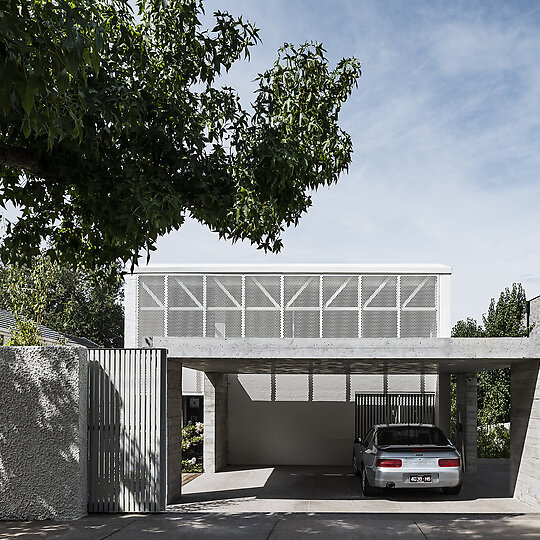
x,y
21,158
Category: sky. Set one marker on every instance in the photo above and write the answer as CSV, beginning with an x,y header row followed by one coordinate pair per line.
x,y
446,130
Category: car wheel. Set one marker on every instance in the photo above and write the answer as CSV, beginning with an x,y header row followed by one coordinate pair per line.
x,y
452,490
367,489
355,468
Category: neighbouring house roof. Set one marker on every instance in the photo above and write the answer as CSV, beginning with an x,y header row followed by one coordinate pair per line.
x,y
7,321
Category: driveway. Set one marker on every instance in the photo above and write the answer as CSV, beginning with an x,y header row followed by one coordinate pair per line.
x,y
286,503
336,489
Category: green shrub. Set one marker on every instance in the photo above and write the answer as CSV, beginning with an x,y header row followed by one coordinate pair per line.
x,y
493,441
192,447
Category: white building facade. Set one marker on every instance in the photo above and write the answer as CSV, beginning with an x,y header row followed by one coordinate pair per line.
x,y
292,418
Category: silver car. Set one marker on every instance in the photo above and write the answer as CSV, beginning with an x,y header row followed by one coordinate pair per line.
x,y
407,456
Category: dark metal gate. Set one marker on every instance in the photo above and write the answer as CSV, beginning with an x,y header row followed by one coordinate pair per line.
x,y
371,409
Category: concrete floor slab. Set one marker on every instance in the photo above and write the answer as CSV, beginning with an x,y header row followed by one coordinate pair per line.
x,y
336,489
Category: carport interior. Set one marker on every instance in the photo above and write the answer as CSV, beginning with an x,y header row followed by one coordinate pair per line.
x,y
441,356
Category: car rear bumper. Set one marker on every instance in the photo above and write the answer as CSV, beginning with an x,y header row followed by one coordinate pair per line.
x,y
447,477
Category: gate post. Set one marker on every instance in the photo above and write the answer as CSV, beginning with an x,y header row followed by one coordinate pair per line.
x,y
174,430
467,410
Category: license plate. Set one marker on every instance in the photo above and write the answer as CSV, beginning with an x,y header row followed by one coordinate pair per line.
x,y
420,478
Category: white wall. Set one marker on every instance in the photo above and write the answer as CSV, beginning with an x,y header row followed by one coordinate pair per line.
x,y
289,423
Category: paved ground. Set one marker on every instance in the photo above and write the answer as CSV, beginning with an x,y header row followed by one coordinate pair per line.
x,y
336,489
285,503
267,526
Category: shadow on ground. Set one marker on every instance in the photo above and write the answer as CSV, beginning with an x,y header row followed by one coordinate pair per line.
x,y
261,526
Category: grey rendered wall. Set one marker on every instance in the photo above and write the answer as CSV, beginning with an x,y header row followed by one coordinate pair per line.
x,y
43,430
525,432
301,419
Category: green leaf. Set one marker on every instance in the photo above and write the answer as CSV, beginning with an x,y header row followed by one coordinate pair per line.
x,y
28,101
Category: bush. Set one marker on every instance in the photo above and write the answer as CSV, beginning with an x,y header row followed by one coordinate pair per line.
x,y
494,441
192,447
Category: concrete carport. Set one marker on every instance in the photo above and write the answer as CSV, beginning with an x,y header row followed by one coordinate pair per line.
x,y
444,356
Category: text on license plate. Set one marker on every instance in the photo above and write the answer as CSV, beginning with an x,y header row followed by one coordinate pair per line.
x,y
420,478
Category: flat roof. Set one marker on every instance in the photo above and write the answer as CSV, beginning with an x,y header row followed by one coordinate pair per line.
x,y
311,268
353,355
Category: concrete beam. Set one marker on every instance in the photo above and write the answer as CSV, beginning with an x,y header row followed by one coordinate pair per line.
x,y
394,355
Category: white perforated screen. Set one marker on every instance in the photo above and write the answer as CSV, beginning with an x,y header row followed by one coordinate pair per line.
x,y
287,305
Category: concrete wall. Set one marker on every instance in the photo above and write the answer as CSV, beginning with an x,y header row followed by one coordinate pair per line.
x,y
467,413
43,432
525,432
174,431
216,422
302,419
534,317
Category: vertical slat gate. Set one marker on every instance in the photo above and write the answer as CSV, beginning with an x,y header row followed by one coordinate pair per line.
x,y
371,409
126,430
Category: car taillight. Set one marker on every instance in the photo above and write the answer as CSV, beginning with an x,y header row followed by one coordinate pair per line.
x,y
388,463
454,462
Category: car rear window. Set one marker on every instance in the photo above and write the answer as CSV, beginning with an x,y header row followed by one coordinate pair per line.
x,y
411,435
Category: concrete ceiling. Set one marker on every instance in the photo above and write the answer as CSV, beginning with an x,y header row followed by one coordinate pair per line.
x,y
368,356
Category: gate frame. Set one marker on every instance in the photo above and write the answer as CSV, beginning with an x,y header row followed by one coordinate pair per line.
x,y
111,359
426,403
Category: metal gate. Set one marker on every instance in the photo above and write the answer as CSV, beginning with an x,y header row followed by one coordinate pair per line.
x,y
127,430
371,409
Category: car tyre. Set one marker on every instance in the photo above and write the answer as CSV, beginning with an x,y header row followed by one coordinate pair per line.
x,y
452,490
367,489
355,468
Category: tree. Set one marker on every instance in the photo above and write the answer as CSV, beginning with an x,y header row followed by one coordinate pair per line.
x,y
468,328
24,292
504,318
74,303
113,128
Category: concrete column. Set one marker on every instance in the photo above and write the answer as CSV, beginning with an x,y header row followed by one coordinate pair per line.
x,y
467,421
442,403
216,422
174,430
525,432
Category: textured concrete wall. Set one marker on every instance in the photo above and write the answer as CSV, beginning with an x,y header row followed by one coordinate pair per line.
x,y
534,317
174,431
525,432
467,412
443,403
43,431
216,422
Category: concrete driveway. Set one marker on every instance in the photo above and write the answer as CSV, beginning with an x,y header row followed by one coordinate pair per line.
x,y
286,503
336,489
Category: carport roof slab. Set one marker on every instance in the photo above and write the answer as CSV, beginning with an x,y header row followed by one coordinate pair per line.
x,y
361,355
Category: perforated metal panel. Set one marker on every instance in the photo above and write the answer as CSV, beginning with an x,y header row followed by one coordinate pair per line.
x,y
263,306
151,302
287,305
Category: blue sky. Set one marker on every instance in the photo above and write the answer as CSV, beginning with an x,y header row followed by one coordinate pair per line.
x,y
446,131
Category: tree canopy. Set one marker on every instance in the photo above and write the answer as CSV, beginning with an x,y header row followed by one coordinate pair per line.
x,y
74,303
114,128
505,317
